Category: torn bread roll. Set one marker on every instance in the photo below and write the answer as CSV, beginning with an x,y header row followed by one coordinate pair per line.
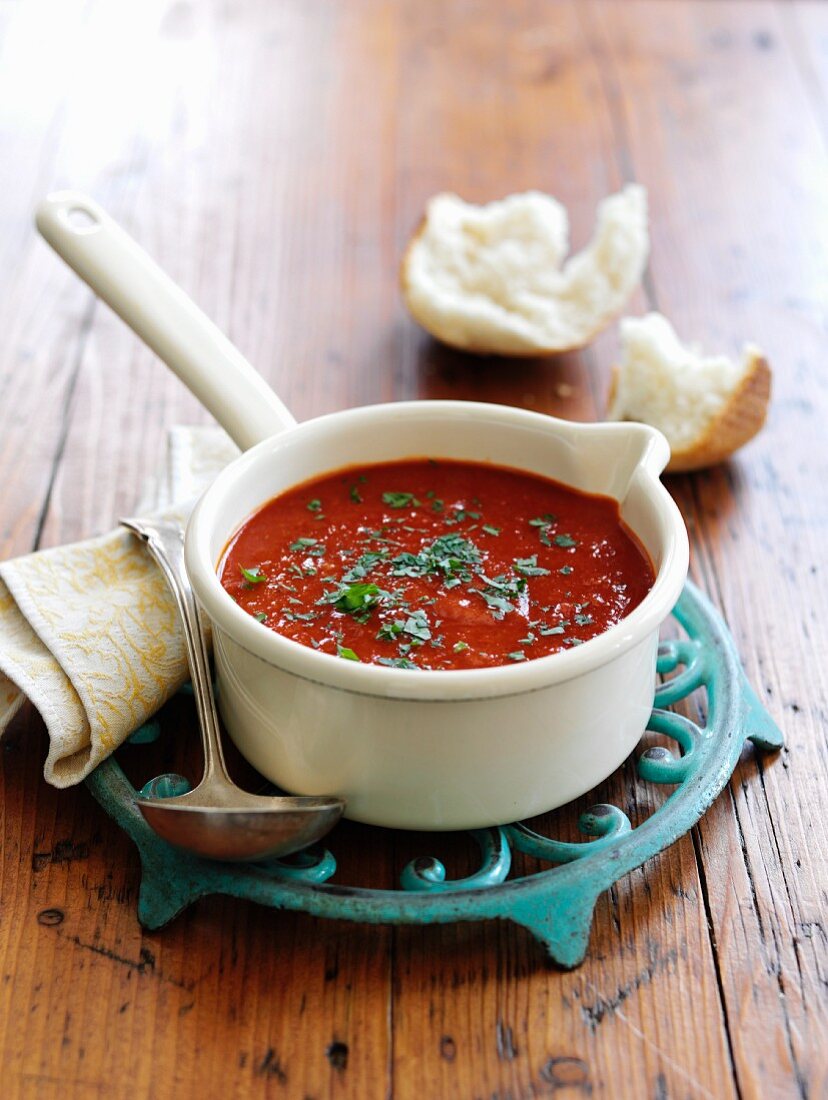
x,y
492,279
708,406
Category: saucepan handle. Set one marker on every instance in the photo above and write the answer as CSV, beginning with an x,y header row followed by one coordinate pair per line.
x,y
158,311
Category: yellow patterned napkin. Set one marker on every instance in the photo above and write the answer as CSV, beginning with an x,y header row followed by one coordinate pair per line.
x,y
89,632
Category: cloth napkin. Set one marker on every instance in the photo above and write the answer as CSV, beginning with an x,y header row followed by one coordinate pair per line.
x,y
89,632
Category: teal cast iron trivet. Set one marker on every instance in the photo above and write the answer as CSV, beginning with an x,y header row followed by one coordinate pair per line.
x,y
555,904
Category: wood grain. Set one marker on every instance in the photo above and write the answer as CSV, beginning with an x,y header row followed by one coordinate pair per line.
x,y
274,159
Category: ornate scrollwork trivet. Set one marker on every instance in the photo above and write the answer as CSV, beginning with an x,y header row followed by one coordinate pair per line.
x,y
556,904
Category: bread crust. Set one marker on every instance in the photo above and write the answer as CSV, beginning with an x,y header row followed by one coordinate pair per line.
x,y
741,417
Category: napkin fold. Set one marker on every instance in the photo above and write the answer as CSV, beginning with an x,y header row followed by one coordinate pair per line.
x,y
89,632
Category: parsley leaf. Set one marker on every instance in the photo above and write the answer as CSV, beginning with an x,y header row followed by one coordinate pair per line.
x,y
253,576
529,567
458,647
347,654
314,505
490,530
565,541
260,617
400,500
303,544
448,554
396,662
358,600
518,655
497,603
354,494
417,626
388,631
363,565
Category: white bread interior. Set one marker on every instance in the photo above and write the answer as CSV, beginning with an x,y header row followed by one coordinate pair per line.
x,y
492,279
706,405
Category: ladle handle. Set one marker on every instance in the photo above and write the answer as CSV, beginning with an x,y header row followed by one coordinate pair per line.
x,y
165,541
158,311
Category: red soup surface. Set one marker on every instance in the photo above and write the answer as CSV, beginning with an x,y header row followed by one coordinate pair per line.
x,y
436,565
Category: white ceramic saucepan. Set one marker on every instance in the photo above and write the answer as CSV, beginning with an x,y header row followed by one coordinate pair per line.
x,y
411,749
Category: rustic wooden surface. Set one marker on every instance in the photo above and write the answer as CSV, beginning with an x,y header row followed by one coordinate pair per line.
x,y
274,157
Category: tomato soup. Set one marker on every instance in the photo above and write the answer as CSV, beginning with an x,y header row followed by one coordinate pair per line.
x,y
427,564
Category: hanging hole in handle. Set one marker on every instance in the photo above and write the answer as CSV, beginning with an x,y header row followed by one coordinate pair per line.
x,y
80,219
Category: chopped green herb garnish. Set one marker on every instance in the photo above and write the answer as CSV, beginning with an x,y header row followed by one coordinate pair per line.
x,y
518,655
583,620
565,541
378,536
362,567
566,570
497,603
347,654
529,567
303,544
458,647
314,506
546,630
530,637
487,527
355,599
437,505
543,521
459,516
512,586
260,617
253,576
354,494
417,626
448,554
396,662
400,500
388,631
408,565
574,641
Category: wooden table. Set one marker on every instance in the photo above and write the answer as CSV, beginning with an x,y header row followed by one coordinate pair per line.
x,y
274,157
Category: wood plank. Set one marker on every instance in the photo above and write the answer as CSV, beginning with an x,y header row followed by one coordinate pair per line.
x,y
751,267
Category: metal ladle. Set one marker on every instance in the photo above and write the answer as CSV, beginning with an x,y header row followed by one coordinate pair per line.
x,y
217,819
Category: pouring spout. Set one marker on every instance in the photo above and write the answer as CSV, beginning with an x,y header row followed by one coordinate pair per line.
x,y
163,316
